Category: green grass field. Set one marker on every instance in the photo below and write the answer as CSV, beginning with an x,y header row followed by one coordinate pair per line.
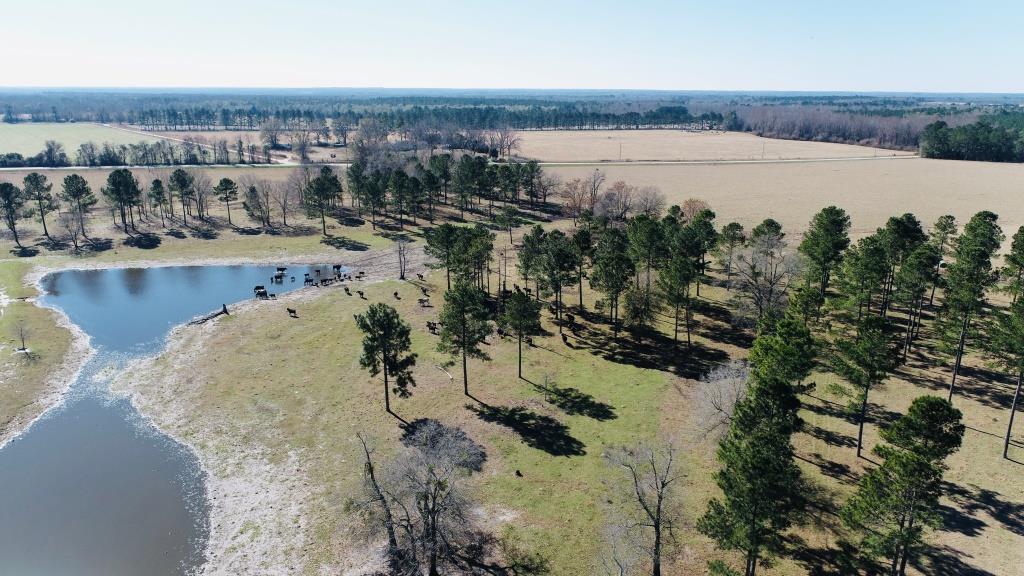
x,y
284,387
295,387
23,378
28,138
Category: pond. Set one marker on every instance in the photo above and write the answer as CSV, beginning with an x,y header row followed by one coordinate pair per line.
x,y
93,488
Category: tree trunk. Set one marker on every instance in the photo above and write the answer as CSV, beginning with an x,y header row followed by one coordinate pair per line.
x,y
520,365
959,355
465,377
1013,410
228,206
863,416
42,216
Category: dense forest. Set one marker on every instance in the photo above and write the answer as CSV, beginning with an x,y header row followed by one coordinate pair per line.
x,y
998,138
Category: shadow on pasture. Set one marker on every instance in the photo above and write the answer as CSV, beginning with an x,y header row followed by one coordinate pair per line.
x,y
144,241
575,402
536,430
344,243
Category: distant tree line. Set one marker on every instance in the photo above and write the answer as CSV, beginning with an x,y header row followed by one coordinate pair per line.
x,y
980,140
189,151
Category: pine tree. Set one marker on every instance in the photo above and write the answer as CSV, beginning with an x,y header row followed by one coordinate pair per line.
x,y
895,502
762,488
1007,346
37,189
673,283
76,191
827,236
865,359
12,204
227,192
522,318
386,346
464,326
970,276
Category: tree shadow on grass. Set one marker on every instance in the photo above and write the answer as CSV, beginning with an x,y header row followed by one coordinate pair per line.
x,y
575,402
143,241
537,430
972,499
830,437
656,351
832,469
248,230
98,244
343,243
204,233
175,233
25,251
946,560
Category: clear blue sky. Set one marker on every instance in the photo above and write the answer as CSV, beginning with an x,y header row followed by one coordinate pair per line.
x,y
915,45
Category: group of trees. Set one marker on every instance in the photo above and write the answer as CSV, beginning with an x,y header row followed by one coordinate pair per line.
x,y
189,151
403,189
35,198
976,141
856,309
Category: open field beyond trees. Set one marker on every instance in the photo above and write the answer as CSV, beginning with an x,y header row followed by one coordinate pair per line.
x,y
677,145
28,138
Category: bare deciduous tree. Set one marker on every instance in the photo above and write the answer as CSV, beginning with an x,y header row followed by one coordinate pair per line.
x,y
763,273
691,207
649,201
617,202
575,194
719,391
593,185
648,524
71,226
420,501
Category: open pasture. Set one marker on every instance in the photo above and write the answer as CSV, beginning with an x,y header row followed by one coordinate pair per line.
x,y
28,138
869,190
677,145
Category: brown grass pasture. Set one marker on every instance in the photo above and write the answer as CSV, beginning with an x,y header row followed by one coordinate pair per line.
x,y
676,145
869,190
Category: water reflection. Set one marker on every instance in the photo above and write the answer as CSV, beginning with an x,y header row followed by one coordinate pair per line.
x,y
92,488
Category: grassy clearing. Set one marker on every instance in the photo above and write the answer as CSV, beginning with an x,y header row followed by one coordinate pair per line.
x,y
24,378
294,386
675,145
28,138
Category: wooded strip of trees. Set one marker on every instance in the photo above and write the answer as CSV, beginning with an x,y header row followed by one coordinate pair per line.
x,y
189,151
978,141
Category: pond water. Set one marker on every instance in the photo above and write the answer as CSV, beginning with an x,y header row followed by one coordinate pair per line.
x,y
92,488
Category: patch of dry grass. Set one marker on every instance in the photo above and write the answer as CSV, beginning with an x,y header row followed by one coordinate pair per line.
x,y
677,145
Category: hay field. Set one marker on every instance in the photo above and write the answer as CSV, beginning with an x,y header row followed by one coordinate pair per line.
x,y
677,145
28,138
869,190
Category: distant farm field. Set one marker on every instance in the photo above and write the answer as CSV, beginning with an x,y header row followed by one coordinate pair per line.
x,y
869,190
677,145
28,138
